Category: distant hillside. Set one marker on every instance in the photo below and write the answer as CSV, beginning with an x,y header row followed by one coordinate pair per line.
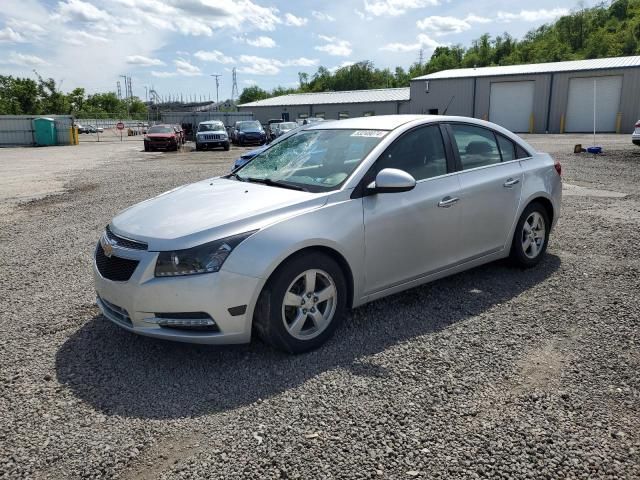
x,y
601,31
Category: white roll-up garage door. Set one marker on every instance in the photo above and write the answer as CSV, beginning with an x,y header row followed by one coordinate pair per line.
x,y
511,104
580,104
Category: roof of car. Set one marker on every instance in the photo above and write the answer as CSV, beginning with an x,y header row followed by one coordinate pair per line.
x,y
380,122
211,121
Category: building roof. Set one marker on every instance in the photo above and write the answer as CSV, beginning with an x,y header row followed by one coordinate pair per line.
x,y
323,98
572,66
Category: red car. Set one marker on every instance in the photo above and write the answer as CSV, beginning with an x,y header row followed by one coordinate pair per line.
x,y
162,137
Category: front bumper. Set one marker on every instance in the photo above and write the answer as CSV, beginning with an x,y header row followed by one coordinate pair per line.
x,y
134,303
212,143
635,138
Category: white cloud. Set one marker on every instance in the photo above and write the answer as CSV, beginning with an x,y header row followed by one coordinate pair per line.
x,y
446,25
334,46
362,15
80,38
184,67
533,15
259,65
77,10
423,41
380,8
471,18
143,61
163,74
301,62
293,21
261,42
443,25
24,27
24,60
249,82
9,35
322,16
213,56
270,66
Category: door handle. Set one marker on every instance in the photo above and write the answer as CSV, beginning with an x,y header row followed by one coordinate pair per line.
x,y
511,182
446,202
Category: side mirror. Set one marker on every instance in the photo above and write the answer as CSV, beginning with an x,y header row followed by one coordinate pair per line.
x,y
391,180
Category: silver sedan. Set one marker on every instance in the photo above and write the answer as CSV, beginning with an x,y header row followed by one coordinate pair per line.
x,y
334,216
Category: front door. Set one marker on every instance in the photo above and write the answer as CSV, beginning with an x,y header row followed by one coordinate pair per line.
x,y
410,234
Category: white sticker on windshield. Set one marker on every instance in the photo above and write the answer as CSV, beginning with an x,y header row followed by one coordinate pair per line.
x,y
369,133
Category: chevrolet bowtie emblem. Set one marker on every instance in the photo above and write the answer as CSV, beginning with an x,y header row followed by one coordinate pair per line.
x,y
107,246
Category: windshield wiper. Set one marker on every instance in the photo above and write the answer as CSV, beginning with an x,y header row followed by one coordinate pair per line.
x,y
236,176
276,183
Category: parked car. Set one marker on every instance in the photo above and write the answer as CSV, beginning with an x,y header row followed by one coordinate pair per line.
x,y
271,128
250,132
93,129
81,128
285,249
179,134
161,137
247,156
211,133
635,137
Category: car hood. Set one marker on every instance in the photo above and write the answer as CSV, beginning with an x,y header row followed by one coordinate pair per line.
x,y
219,132
211,209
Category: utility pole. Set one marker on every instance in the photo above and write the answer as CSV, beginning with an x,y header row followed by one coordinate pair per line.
x,y
217,76
119,90
421,57
126,92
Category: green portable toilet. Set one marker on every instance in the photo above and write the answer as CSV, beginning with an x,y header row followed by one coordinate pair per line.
x,y
45,131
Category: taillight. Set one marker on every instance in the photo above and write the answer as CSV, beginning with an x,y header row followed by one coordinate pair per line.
x,y
638,124
558,167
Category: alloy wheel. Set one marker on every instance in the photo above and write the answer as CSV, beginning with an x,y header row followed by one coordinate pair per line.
x,y
533,235
309,304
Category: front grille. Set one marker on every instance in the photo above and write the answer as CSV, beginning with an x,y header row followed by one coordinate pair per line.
x,y
114,268
125,242
115,312
212,137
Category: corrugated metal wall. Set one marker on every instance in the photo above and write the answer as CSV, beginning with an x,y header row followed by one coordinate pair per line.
x,y
462,90
17,130
330,111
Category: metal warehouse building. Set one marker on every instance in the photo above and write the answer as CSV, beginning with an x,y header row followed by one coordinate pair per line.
x,y
538,98
331,105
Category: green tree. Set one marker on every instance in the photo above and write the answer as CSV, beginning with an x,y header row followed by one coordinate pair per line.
x,y
252,94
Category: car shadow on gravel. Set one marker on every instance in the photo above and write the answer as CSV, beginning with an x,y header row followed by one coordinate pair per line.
x,y
124,374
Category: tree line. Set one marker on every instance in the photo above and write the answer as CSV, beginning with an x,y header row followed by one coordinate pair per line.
x,y
602,31
25,96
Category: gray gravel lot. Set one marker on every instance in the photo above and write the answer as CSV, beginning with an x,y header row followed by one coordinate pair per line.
x,y
495,372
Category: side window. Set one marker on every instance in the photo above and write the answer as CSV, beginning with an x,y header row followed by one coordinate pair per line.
x,y
477,146
521,152
419,152
507,148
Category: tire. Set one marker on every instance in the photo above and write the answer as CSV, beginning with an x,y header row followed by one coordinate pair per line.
x,y
530,244
146,147
198,147
227,147
292,327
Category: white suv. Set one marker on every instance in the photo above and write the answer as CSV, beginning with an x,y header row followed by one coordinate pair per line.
x,y
635,137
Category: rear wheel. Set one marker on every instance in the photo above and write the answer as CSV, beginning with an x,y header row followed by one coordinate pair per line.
x,y
303,303
531,237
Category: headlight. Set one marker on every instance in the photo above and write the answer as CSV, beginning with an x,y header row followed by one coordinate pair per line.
x,y
205,258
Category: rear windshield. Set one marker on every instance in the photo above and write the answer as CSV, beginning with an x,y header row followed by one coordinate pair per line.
x,y
161,129
249,126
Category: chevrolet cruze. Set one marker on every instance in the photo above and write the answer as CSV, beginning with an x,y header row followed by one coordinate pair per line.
x,y
334,216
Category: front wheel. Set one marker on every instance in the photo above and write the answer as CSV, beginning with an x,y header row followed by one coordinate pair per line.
x,y
227,147
303,303
531,237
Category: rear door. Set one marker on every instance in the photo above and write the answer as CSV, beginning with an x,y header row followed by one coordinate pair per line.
x,y
407,234
490,187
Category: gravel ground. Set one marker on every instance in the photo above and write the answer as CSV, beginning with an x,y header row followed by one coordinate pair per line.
x,y
495,372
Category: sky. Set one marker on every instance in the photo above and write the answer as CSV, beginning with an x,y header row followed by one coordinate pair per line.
x,y
174,46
